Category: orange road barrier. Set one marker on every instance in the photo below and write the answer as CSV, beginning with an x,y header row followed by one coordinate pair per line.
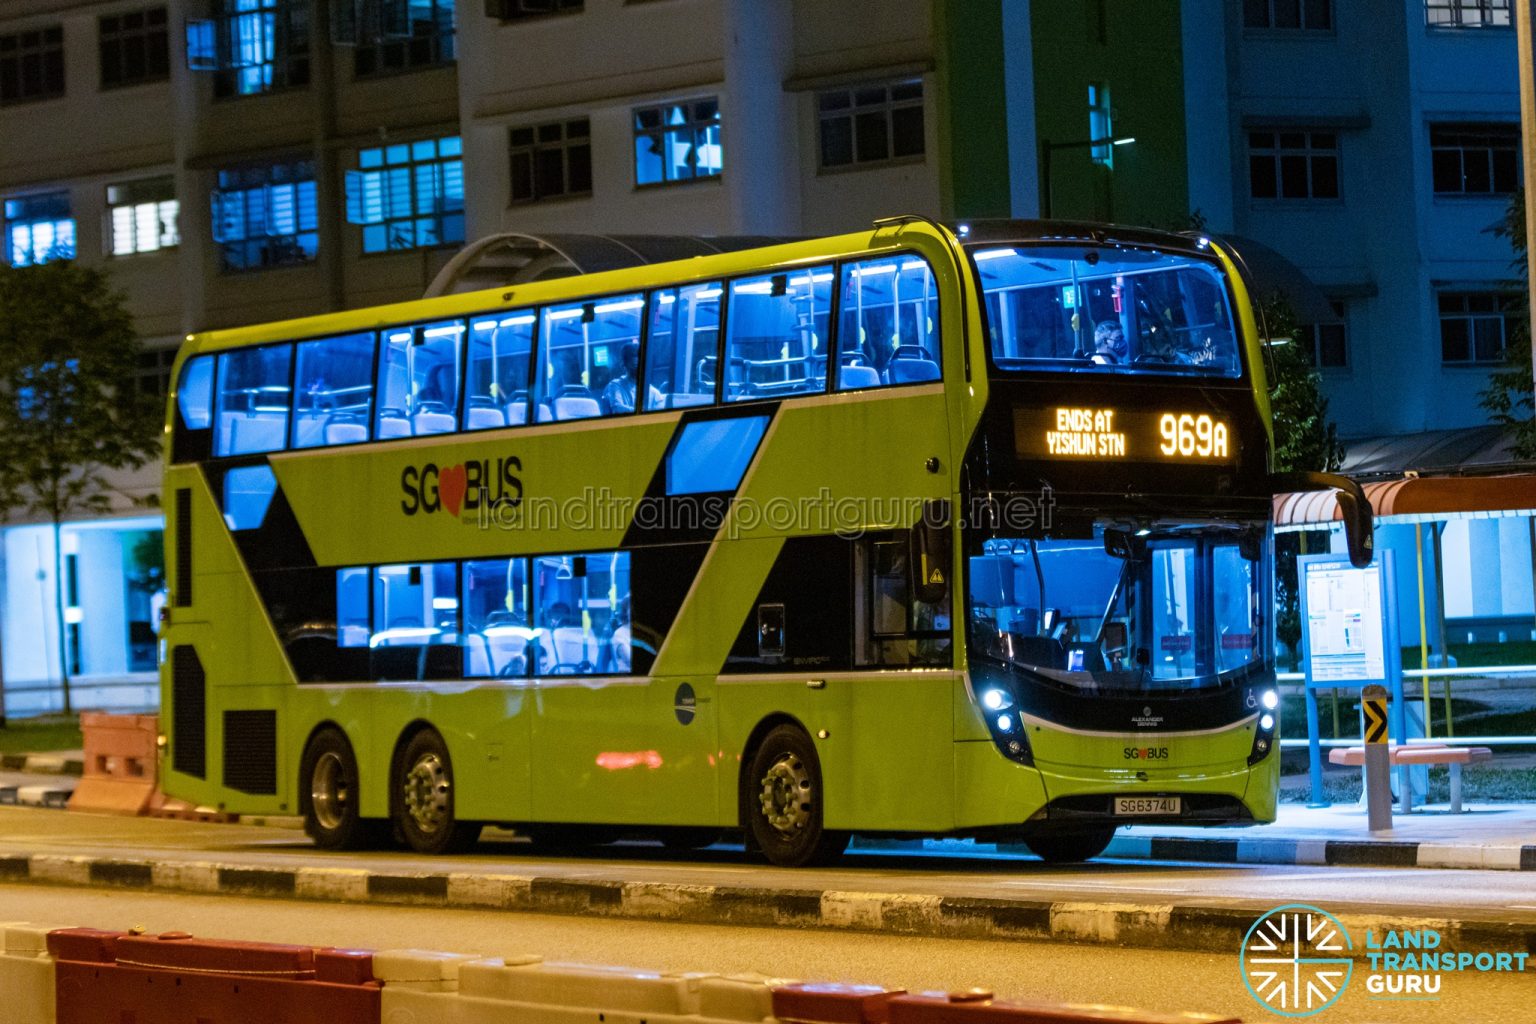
x,y
121,767
976,1006
113,976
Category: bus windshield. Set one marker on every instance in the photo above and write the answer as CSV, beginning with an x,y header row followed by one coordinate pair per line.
x,y
1106,309
1127,610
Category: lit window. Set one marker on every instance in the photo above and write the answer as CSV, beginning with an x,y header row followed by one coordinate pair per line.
x,y
680,346
1293,165
252,408
551,160
677,142
265,216
1100,125
1326,344
134,48
334,384
776,334
32,65
253,46
500,362
419,380
408,196
38,229
1475,326
871,123
589,353
888,324
396,35
1467,13
1475,159
1313,15
143,215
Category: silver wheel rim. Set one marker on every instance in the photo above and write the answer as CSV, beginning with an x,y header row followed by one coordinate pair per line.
x,y
427,791
330,791
786,796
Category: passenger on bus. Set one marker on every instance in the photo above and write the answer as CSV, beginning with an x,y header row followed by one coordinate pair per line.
x,y
1109,348
619,395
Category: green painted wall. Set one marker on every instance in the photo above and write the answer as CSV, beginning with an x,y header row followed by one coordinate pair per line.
x,y
1133,46
973,116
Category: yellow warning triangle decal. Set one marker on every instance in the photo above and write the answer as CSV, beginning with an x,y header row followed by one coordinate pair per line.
x,y
936,576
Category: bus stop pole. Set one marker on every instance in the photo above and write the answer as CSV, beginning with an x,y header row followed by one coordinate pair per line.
x,y
1378,759
1314,746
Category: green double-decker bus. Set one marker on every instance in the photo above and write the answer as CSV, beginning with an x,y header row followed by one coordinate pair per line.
x,y
915,531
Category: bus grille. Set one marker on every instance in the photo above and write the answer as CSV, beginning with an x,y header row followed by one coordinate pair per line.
x,y
250,751
189,713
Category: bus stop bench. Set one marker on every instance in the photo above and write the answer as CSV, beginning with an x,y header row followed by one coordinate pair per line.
x,y
1423,753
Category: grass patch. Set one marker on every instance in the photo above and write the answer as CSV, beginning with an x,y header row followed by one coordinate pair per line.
x,y
1479,783
40,735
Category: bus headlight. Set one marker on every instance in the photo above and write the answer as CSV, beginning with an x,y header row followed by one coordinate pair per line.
x,y
996,700
1264,734
1270,700
1267,723
1005,723
1003,718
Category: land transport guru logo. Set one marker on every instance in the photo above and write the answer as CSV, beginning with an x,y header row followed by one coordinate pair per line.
x,y
464,487
1298,959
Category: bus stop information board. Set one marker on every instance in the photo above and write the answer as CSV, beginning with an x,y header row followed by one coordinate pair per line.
x,y
1349,639
1344,619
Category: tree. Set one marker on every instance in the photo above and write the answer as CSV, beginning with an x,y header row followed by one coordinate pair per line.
x,y
69,411
1305,439
1509,397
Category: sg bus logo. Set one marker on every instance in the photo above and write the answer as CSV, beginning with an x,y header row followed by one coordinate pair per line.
x,y
1146,753
465,486
1186,435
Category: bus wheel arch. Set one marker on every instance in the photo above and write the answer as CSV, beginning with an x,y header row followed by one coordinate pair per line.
x,y
782,796
422,793
330,798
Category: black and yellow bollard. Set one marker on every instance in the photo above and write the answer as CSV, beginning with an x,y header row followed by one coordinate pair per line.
x,y
1378,759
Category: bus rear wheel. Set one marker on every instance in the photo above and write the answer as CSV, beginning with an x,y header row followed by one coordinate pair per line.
x,y
1070,847
782,801
423,804
329,795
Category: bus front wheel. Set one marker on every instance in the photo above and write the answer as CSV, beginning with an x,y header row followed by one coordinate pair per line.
x,y
329,795
424,798
782,802
1069,847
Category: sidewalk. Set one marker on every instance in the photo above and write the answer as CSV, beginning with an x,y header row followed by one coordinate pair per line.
x,y
1499,836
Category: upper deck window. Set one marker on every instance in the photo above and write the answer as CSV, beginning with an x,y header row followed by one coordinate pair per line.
x,y
335,391
253,400
500,358
888,323
419,380
776,329
589,353
1107,310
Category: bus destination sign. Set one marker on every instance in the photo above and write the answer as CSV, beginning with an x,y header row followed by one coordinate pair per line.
x,y
1099,433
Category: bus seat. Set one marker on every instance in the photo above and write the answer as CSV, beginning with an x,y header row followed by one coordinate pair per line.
x,y
576,407
256,434
573,651
621,644
394,426
345,433
481,417
684,400
477,657
309,431
517,413
433,423
910,370
545,415
851,377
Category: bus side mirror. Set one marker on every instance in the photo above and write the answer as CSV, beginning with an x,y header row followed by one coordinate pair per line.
x,y
1354,508
933,552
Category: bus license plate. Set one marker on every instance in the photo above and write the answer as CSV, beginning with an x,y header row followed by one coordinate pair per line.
x,y
1133,805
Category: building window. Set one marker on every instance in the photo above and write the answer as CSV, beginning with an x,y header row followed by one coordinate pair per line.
x,y
38,229
397,35
1475,326
32,65
871,123
1293,165
135,48
154,374
1312,15
1467,13
1100,125
551,160
408,196
253,46
265,216
517,10
143,215
1326,345
677,142
1475,159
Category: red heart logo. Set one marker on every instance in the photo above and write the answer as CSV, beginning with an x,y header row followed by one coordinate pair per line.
x,y
450,487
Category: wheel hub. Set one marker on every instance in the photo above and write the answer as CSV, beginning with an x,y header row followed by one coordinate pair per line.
x,y
426,794
330,791
786,795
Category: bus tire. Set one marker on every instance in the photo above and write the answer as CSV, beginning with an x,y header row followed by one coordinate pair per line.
x,y
329,795
782,801
1070,847
423,803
